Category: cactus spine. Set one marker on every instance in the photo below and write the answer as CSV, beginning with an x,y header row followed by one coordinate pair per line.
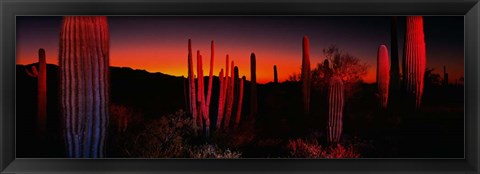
x,y
305,77
240,101
42,91
414,60
230,97
253,86
383,75
275,75
335,110
84,79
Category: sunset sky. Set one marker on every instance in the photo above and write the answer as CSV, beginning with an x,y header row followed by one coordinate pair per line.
x,y
159,43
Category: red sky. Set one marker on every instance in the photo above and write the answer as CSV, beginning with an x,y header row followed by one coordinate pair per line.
x,y
159,44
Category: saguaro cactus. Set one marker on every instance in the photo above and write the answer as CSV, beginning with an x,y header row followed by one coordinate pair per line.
x,y
305,77
230,97
41,91
335,110
394,87
253,86
84,81
240,101
414,60
445,75
275,75
383,75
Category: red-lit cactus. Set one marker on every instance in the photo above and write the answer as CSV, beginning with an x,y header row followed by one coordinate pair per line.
x,y
240,101
383,75
84,82
335,110
192,88
200,91
221,99
41,76
414,60
230,97
305,76
253,86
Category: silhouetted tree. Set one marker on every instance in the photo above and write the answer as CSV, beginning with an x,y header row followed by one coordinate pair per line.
x,y
338,63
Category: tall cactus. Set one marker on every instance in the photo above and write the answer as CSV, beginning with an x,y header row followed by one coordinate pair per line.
x,y
445,76
84,81
192,88
222,109
335,110
305,77
383,75
253,86
414,60
221,99
41,74
275,75
200,91
230,97
394,88
240,101
210,79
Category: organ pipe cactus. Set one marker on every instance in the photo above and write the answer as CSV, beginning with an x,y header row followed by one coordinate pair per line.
x,y
383,75
221,99
192,88
253,86
230,97
210,79
240,100
335,110
84,82
41,76
275,75
223,94
414,60
200,91
305,77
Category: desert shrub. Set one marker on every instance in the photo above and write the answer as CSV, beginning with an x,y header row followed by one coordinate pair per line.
x,y
308,148
166,137
171,136
123,117
236,138
212,151
300,148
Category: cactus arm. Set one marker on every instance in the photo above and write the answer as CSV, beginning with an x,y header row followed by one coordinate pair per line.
x,y
305,77
33,72
240,102
383,75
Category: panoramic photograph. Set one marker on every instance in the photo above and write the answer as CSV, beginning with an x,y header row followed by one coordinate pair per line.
x,y
285,87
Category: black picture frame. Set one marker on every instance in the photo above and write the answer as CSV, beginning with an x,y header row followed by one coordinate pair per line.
x,y
11,8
